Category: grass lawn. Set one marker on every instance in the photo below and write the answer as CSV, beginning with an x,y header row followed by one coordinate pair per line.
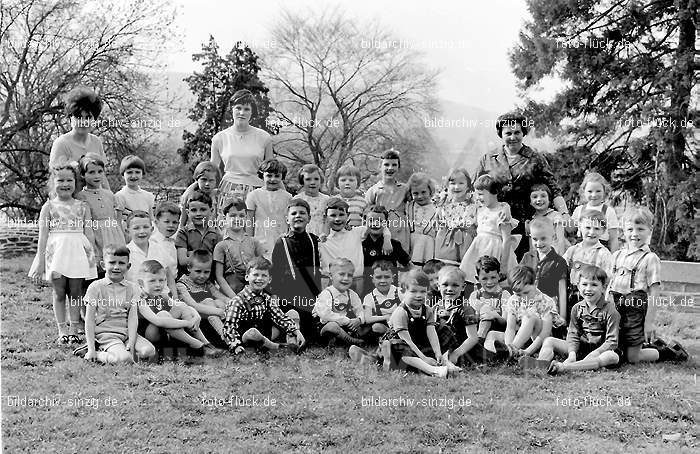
x,y
320,401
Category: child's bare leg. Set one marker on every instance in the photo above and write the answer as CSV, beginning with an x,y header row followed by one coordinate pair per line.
x,y
484,328
255,336
591,362
528,326
421,365
379,328
552,345
491,338
181,335
466,346
59,304
639,354
144,349
114,354
75,293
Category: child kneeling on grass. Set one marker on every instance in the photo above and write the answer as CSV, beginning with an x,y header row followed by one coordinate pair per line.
x,y
412,336
339,309
160,312
111,315
254,317
531,315
591,342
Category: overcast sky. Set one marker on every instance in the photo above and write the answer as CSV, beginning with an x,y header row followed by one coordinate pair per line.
x,y
475,72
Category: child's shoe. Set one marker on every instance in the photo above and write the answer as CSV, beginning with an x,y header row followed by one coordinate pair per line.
x,y
441,372
210,351
530,363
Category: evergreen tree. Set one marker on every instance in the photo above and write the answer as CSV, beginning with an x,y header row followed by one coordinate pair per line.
x,y
214,87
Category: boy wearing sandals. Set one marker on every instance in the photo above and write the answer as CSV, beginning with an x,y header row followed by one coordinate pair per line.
x,y
253,316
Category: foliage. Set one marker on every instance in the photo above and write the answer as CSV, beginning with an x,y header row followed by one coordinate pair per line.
x,y
629,99
214,86
340,92
48,48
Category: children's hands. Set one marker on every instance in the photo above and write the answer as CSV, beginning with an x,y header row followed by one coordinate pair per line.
x,y
429,361
354,324
239,350
387,249
36,274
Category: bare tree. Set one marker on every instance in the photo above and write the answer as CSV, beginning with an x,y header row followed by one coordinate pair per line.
x,y
47,48
341,88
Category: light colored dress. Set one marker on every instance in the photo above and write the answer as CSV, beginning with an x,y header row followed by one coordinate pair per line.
x,y
423,224
270,216
488,239
68,251
455,233
103,206
394,200
318,209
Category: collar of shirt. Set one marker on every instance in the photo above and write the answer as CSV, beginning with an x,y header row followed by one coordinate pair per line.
x,y
599,304
111,282
380,184
337,294
524,151
190,227
298,235
390,294
228,236
629,251
159,237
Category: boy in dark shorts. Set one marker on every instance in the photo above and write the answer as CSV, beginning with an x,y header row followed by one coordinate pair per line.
x,y
412,341
253,316
591,342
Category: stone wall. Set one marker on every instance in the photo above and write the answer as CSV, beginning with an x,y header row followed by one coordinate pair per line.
x,y
17,238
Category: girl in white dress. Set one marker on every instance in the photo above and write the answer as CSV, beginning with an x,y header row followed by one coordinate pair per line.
x,y
493,230
421,214
311,180
65,256
269,205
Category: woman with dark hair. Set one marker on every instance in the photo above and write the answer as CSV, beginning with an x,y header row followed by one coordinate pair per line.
x,y
83,107
239,150
518,167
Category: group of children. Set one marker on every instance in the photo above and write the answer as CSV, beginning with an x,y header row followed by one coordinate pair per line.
x,y
276,270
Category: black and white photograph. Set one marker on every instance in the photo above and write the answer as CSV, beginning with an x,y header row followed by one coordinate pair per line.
x,y
349,226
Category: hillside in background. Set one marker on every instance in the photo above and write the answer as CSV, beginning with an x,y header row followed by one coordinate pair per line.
x,y
461,133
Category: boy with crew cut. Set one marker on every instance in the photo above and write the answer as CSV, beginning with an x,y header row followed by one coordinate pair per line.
x,y
591,341
199,233
380,303
339,309
489,299
296,276
550,268
253,316
236,250
162,241
111,314
131,197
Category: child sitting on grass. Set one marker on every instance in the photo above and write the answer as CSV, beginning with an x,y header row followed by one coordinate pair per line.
x,y
380,303
236,250
111,315
412,341
253,316
159,312
591,342
489,299
199,292
530,315
338,308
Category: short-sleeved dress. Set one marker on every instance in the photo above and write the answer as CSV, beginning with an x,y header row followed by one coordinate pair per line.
x,y
68,251
488,239
423,224
103,206
395,203
270,215
318,209
455,233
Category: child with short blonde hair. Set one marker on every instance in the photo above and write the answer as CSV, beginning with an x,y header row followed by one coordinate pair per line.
x,y
421,214
456,217
593,192
311,181
347,181
131,197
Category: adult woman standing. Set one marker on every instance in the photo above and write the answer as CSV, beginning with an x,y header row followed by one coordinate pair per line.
x,y
517,167
83,107
239,150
